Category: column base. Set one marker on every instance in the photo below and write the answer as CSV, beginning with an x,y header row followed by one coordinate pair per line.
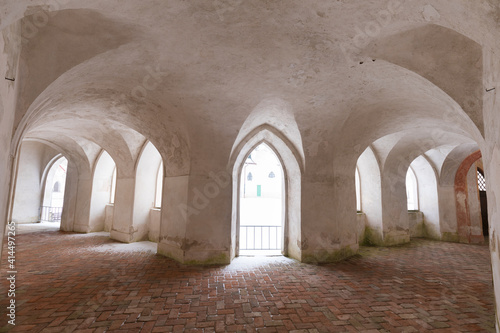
x,y
120,236
450,237
81,228
374,237
320,256
201,257
394,237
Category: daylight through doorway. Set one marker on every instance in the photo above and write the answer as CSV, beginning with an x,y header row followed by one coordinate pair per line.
x,y
261,203
53,198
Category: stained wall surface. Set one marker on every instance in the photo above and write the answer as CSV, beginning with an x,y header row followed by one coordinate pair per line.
x,y
327,85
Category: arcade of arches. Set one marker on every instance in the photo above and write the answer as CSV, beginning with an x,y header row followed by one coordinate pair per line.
x,y
384,116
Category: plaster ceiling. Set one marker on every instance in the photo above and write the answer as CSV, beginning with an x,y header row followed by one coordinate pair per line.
x,y
179,72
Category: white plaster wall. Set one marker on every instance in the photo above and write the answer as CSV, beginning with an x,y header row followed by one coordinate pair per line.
x,y
448,211
330,103
82,205
491,161
29,183
145,190
123,229
154,225
9,54
361,226
108,220
174,215
418,228
427,197
371,193
394,206
101,191
446,189
70,197
473,202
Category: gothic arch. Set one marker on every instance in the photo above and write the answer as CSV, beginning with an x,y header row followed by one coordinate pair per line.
x,y
292,189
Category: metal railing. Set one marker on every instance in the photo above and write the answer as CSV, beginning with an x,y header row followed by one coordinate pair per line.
x,y
51,214
260,237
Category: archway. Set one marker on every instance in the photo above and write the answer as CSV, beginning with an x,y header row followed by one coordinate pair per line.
x,y
292,175
261,203
53,198
145,221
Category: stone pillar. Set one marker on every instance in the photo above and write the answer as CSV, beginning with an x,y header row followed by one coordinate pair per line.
x,y
70,198
123,229
208,226
396,229
491,162
175,213
476,223
428,199
196,218
10,46
463,179
328,218
82,209
447,212
28,187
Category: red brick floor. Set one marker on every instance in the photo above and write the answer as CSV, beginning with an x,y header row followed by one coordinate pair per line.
x,y
68,283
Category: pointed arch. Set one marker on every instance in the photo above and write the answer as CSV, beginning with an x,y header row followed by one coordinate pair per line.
x,y
54,186
292,188
101,190
48,175
265,128
145,190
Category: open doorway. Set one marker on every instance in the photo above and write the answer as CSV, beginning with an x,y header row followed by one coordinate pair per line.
x,y
53,199
261,203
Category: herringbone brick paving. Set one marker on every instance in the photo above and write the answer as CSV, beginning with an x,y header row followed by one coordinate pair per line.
x,y
65,285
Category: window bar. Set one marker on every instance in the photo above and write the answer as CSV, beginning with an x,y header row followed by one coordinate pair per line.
x,y
277,238
254,237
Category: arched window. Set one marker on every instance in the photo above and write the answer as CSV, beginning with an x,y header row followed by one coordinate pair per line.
x,y
358,190
411,190
56,187
113,187
481,182
159,186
